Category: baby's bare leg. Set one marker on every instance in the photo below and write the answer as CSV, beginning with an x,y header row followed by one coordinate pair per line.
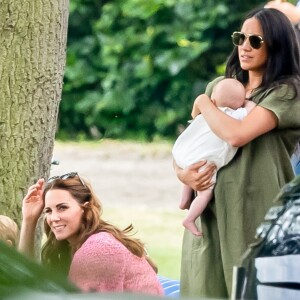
x,y
186,197
197,207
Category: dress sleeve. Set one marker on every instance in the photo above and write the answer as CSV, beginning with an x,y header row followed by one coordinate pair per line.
x,y
99,265
210,85
285,104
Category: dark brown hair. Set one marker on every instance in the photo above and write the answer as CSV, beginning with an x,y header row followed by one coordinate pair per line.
x,y
58,254
283,61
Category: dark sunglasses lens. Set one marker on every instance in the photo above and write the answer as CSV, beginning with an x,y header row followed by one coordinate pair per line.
x,y
255,41
238,38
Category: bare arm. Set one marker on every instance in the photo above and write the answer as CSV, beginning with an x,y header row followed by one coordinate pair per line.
x,y
235,132
32,207
289,9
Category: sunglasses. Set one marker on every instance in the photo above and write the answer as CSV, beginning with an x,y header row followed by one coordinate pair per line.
x,y
238,39
67,176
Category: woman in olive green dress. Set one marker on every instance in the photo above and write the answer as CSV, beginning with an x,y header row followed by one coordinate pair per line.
x,y
266,60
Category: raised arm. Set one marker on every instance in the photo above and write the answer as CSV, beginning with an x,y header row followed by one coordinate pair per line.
x,y
235,132
289,9
32,207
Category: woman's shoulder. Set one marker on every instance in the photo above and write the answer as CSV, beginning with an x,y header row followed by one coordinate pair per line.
x,y
284,101
282,91
102,235
102,241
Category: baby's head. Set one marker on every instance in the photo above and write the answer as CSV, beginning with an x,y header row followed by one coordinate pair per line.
x,y
9,231
229,92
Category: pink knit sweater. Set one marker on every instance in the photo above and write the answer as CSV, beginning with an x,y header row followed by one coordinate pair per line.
x,y
103,264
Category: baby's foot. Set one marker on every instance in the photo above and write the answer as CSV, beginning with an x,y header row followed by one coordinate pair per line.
x,y
189,225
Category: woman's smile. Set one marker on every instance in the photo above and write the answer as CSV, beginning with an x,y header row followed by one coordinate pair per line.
x,y
63,214
58,228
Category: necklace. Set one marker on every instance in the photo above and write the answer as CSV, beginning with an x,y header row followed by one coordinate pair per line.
x,y
248,92
249,89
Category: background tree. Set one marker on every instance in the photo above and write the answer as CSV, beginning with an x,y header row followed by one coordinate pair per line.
x,y
33,36
135,66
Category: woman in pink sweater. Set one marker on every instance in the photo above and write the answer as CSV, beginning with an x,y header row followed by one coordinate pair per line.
x,y
96,255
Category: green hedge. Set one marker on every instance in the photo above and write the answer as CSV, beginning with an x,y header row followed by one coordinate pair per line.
x,y
134,67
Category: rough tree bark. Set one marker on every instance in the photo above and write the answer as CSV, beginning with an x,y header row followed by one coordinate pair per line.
x,y
33,35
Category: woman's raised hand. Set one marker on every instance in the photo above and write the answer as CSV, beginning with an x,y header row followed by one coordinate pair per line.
x,y
33,203
198,176
32,207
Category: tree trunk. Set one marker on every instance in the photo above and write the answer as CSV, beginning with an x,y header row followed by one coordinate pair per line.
x,y
33,35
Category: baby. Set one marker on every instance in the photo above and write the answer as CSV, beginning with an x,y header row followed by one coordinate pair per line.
x,y
198,142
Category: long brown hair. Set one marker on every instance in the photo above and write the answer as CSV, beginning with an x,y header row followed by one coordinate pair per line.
x,y
58,254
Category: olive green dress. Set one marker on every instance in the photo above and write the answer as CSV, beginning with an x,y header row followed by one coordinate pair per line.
x,y
244,191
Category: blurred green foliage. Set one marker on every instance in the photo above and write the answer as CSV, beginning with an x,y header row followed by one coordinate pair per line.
x,y
18,274
134,67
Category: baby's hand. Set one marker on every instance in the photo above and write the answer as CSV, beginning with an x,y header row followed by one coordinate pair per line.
x,y
249,105
196,107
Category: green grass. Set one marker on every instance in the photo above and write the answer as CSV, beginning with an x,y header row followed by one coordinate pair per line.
x,y
160,230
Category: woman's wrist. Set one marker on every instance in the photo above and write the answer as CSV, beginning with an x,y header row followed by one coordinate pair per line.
x,y
29,222
27,239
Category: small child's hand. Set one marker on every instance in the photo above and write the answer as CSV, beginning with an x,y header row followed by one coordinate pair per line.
x,y
249,105
196,107
214,102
